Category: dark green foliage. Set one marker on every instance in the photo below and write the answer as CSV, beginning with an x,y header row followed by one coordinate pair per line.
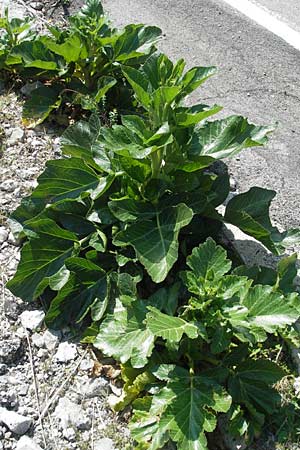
x,y
122,237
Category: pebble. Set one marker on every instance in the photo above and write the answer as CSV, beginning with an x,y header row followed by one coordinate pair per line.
x,y
3,234
51,339
37,5
87,364
8,185
3,369
15,422
26,443
69,434
65,352
104,444
16,136
10,351
32,320
37,340
97,387
71,414
12,240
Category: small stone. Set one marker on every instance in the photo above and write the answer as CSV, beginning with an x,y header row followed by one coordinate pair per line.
x,y
26,443
65,352
51,339
42,354
297,386
12,240
233,184
3,369
104,444
69,434
17,135
32,320
87,364
38,340
8,185
20,332
3,234
97,387
37,5
23,390
10,351
71,414
15,422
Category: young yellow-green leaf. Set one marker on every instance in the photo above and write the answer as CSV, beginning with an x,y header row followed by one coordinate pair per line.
x,y
124,335
41,258
168,327
156,241
135,382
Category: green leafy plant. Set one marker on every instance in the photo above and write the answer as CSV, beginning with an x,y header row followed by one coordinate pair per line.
x,y
77,65
121,242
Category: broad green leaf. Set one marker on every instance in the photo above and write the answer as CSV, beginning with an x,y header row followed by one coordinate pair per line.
x,y
287,272
186,117
103,86
166,299
136,169
168,327
226,137
41,258
268,309
71,49
86,286
194,77
124,335
80,140
221,339
182,411
250,212
135,41
37,108
92,9
66,179
209,262
127,210
250,385
139,84
35,54
156,241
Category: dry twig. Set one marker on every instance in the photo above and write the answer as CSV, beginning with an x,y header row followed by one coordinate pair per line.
x,y
36,388
61,387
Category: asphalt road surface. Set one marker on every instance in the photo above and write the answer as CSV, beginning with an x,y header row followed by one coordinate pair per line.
x,y
259,77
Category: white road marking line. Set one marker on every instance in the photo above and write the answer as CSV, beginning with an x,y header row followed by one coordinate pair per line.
x,y
267,20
